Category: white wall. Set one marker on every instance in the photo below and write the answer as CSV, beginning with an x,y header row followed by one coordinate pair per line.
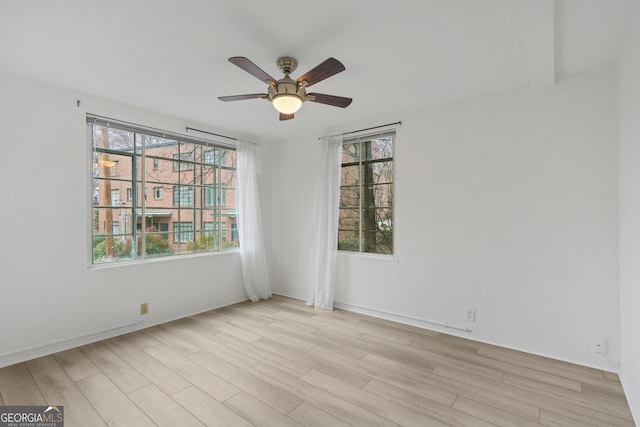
x,y
50,300
629,137
506,203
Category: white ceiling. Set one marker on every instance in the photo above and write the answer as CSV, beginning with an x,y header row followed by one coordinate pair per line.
x,y
171,56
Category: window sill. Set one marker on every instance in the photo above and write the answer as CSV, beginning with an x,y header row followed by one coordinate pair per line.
x,y
108,265
368,256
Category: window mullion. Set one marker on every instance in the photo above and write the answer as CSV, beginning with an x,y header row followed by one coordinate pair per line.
x,y
217,215
360,199
194,208
142,197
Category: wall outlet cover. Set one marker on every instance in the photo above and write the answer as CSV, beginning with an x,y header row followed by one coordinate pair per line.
x,y
470,315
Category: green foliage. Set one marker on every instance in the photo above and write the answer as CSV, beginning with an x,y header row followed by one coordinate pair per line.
x,y
204,243
349,244
120,248
155,245
99,247
230,245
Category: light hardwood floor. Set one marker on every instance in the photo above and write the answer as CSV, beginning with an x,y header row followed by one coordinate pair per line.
x,y
279,363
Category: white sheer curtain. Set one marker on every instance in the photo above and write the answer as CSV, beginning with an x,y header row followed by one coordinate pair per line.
x,y
324,249
254,262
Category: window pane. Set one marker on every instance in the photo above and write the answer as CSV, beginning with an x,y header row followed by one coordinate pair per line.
x,y
384,242
157,168
380,148
350,197
216,157
112,138
183,161
349,219
229,229
111,165
383,195
350,153
382,172
350,175
156,244
348,241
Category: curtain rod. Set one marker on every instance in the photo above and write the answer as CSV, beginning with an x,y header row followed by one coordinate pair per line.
x,y
158,132
210,133
371,128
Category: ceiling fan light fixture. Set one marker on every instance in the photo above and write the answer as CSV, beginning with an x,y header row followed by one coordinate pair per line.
x,y
286,94
287,103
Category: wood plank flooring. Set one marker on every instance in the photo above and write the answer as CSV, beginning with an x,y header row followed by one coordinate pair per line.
x,y
279,363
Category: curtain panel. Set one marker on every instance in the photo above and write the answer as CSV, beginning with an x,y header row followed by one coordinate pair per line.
x,y
254,261
324,250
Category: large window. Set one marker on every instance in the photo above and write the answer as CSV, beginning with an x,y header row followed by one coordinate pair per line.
x,y
198,175
366,195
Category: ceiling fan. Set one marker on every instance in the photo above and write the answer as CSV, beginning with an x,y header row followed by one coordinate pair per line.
x,y
286,94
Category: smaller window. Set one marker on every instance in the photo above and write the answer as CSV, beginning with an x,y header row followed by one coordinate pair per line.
x,y
183,231
215,157
208,157
182,161
157,193
129,194
115,197
215,195
155,164
182,195
209,228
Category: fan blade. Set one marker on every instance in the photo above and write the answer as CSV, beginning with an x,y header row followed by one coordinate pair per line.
x,y
286,116
252,69
241,97
336,101
327,69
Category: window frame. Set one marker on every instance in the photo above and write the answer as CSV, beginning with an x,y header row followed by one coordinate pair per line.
x,y
361,224
131,213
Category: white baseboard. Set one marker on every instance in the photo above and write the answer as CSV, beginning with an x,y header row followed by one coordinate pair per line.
x,y
88,338
55,347
400,318
443,327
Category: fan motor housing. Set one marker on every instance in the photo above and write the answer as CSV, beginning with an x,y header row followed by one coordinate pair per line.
x,y
286,86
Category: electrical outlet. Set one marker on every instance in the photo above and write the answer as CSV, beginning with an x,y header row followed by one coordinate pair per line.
x,y
470,315
599,345
144,308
